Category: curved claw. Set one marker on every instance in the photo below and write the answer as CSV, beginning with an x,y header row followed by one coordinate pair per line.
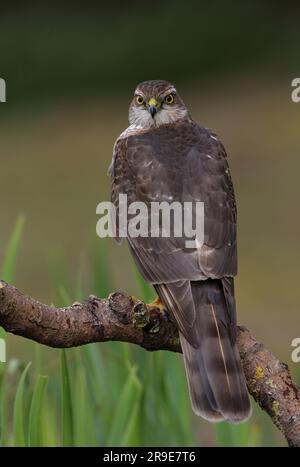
x,y
141,315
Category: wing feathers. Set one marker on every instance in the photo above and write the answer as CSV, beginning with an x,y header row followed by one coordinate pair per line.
x,y
184,162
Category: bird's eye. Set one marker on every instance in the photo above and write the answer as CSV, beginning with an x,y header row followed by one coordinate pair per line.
x,y
139,100
169,99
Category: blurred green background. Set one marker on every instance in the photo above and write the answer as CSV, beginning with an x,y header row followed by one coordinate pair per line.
x,y
70,71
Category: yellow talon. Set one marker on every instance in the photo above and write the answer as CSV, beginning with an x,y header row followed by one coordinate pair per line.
x,y
157,303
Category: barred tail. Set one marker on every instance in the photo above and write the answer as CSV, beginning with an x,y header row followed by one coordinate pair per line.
x,y
214,372
215,376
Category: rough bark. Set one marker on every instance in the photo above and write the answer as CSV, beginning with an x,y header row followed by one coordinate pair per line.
x,y
120,318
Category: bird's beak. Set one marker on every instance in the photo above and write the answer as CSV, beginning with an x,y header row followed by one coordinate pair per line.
x,y
153,104
152,110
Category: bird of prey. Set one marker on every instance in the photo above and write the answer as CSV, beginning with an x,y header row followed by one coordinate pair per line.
x,y
164,155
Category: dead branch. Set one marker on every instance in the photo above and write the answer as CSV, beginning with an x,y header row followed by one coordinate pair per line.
x,y
120,318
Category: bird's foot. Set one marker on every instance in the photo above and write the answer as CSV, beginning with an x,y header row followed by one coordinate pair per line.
x,y
135,300
157,304
155,309
141,315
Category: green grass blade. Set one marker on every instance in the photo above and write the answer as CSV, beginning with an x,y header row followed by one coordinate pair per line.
x,y
177,401
7,271
8,267
242,435
84,415
132,434
19,411
50,431
3,409
35,414
66,402
122,431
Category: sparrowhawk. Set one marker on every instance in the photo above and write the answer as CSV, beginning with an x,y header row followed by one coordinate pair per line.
x,y
164,155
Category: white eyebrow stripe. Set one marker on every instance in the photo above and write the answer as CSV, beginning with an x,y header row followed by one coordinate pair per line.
x,y
138,92
168,91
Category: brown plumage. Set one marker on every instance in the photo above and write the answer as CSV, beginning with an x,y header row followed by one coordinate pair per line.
x,y
169,157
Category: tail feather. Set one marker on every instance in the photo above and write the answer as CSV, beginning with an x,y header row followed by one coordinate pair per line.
x,y
216,380
201,395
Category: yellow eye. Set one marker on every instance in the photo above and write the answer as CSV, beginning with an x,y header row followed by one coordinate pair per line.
x,y
139,100
169,99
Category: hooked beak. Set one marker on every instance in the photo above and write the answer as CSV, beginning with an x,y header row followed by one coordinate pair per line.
x,y
152,110
153,107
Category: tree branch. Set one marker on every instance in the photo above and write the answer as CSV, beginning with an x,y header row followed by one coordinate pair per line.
x,y
120,318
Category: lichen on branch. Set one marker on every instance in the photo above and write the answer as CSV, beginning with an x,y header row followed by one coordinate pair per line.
x,y
122,318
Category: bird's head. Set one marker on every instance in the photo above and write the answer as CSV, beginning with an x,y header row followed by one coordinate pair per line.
x,y
156,103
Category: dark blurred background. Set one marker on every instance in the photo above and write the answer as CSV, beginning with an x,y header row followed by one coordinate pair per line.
x,y
70,70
